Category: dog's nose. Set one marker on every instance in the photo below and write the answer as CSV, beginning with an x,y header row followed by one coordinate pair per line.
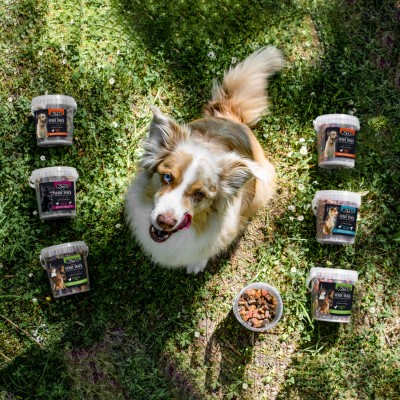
x,y
166,222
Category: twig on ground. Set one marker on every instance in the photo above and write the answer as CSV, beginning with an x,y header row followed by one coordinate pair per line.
x,y
26,333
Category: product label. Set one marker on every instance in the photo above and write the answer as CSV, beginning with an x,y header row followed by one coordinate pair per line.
x,y
51,122
67,272
340,142
58,195
339,220
335,298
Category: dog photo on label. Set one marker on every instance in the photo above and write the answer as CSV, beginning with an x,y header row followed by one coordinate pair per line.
x,y
200,182
330,221
330,144
41,127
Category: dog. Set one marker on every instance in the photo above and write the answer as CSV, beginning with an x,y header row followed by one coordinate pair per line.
x,y
41,127
199,183
58,278
330,221
326,303
330,144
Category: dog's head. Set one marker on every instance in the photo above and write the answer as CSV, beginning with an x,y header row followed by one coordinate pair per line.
x,y
333,212
188,181
332,136
42,118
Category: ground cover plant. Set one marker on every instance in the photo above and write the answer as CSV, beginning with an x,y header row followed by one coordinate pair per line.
x,y
143,332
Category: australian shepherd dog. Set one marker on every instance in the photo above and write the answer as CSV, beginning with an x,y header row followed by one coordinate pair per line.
x,y
200,182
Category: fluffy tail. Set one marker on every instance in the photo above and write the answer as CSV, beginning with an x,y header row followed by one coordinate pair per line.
x,y
242,95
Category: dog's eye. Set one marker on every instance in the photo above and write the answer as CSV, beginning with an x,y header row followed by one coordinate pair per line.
x,y
198,195
167,178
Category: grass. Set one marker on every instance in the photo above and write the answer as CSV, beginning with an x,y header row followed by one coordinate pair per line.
x,y
143,332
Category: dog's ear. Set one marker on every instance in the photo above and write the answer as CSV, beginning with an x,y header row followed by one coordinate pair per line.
x,y
235,171
164,135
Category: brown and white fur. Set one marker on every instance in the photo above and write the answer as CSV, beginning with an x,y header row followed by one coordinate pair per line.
x,y
200,183
41,128
330,145
330,221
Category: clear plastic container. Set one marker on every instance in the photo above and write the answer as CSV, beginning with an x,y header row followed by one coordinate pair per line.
x,y
55,191
332,293
275,308
336,213
54,119
67,269
336,140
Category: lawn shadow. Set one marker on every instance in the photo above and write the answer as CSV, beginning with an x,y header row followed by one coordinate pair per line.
x,y
228,351
190,36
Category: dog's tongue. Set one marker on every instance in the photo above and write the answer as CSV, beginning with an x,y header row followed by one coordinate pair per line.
x,y
186,222
160,236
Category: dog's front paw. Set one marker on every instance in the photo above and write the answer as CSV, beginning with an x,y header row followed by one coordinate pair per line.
x,y
197,267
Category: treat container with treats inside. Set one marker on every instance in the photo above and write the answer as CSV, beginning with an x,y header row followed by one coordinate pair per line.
x,y
336,140
67,269
54,119
258,307
55,191
336,213
332,293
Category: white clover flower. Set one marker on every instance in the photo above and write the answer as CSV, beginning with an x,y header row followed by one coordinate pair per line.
x,y
292,208
351,102
10,99
290,154
302,140
293,269
62,49
34,212
328,263
30,274
245,385
114,124
300,218
42,158
34,300
64,61
234,60
344,73
304,151
312,94
301,187
118,226
71,22
291,218
118,52
197,334
111,81
211,55
40,53
315,183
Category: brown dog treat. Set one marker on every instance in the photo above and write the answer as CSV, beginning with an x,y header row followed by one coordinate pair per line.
x,y
259,307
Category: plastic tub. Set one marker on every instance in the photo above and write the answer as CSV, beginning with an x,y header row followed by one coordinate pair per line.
x,y
67,269
336,213
54,119
336,140
331,293
55,191
245,313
